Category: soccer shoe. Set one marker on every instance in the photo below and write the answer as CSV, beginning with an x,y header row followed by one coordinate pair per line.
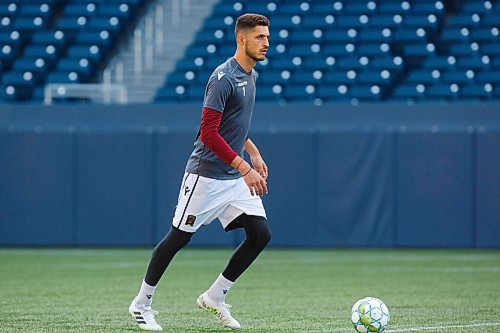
x,y
219,310
145,318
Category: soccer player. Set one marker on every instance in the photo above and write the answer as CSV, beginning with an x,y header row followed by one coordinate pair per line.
x,y
218,182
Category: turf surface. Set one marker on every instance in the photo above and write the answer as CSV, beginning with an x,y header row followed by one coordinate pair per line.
x,y
89,290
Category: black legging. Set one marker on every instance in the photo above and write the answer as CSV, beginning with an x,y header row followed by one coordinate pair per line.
x,y
257,232
258,235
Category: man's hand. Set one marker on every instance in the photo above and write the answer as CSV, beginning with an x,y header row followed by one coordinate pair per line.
x,y
255,182
260,166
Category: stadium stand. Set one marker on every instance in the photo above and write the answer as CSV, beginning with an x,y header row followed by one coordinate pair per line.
x,y
357,50
322,50
58,41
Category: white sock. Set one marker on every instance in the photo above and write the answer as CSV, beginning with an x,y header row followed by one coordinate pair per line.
x,y
219,289
145,296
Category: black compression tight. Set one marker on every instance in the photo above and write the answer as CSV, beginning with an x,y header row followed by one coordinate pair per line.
x,y
164,252
258,235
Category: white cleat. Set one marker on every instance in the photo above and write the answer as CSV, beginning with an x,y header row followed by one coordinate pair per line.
x,y
145,318
219,310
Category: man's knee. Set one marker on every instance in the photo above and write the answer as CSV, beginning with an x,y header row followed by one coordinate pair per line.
x,y
265,233
257,230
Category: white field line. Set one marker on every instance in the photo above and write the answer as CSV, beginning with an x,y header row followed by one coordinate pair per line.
x,y
446,327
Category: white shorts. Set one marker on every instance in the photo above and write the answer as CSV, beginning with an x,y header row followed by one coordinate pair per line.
x,y
202,200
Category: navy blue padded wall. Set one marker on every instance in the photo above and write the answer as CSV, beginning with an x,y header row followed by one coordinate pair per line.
x,y
355,188
434,189
36,188
488,190
173,148
290,204
114,188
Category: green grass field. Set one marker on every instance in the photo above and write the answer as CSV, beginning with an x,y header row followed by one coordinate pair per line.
x,y
89,290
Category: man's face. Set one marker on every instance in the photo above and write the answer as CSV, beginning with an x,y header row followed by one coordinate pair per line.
x,y
257,42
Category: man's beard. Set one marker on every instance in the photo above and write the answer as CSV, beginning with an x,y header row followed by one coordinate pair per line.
x,y
253,56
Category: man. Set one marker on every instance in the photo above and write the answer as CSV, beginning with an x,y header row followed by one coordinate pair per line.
x,y
218,182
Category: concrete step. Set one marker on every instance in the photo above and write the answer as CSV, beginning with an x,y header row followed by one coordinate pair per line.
x,y
176,39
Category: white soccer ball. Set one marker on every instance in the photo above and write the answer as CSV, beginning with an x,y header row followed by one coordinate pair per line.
x,y
370,314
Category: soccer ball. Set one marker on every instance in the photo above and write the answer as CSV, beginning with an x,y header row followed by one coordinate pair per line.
x,y
370,315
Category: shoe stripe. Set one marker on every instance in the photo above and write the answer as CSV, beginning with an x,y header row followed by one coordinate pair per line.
x,y
141,322
137,313
139,317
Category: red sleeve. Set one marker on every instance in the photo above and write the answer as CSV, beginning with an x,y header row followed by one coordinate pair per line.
x,y
209,135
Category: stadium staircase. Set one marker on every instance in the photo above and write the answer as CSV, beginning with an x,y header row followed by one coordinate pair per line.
x,y
176,28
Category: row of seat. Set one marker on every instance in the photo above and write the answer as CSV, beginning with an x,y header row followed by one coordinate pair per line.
x,y
66,41
348,92
375,50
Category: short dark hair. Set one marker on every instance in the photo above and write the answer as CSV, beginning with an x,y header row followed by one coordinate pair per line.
x,y
250,20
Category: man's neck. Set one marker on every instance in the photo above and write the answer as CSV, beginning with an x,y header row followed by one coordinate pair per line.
x,y
245,62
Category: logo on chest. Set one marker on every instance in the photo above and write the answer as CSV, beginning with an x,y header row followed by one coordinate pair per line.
x,y
243,85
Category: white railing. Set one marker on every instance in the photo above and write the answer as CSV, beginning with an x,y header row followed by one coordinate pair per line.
x,y
149,35
94,92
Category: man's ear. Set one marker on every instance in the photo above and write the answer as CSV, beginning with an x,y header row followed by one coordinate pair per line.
x,y
240,38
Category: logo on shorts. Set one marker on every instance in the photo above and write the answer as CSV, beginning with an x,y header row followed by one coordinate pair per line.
x,y
190,220
186,190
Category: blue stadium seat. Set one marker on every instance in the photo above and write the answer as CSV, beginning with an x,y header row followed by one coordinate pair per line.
x,y
28,25
411,91
307,35
492,76
319,21
381,79
8,8
49,53
92,53
42,10
386,21
269,92
339,92
454,35
341,77
282,63
356,63
491,49
12,38
464,20
64,77
375,36
341,36
319,62
37,67
367,92
280,77
424,76
79,65
300,92
348,21
308,76
441,62
443,91
427,21
481,7
102,39
477,92
394,7
111,24
18,85
429,7
175,93
474,63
